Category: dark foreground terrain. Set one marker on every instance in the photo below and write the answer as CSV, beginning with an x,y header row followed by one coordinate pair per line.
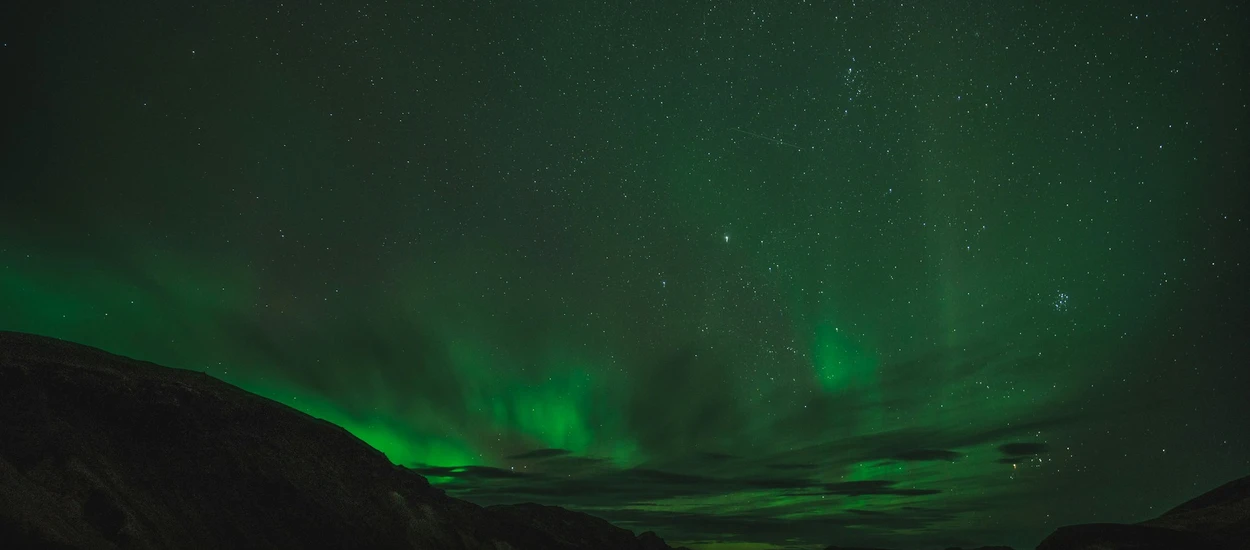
x,y
1216,520
100,451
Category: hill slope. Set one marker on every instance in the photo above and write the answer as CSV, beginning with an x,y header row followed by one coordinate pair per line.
x,y
1217,520
100,451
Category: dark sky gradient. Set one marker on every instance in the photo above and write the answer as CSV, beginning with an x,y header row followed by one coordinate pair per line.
x,y
750,274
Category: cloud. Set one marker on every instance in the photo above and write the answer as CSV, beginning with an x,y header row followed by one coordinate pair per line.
x,y
539,454
470,473
872,487
1023,449
677,491
568,463
923,455
603,485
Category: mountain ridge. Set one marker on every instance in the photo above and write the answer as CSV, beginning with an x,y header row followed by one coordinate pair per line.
x,y
1218,519
102,451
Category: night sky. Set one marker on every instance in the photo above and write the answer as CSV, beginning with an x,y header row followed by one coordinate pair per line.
x,y
748,274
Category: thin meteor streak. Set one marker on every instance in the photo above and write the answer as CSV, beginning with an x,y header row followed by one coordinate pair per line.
x,y
766,138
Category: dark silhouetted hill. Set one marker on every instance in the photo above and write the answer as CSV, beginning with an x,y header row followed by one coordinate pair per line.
x,y
100,452
1217,520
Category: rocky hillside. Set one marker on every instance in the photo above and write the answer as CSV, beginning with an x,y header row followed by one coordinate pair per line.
x,y
99,451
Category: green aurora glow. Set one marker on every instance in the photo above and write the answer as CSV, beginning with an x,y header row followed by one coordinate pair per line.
x,y
752,275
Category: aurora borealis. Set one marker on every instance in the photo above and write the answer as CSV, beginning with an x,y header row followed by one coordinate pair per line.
x,y
748,274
